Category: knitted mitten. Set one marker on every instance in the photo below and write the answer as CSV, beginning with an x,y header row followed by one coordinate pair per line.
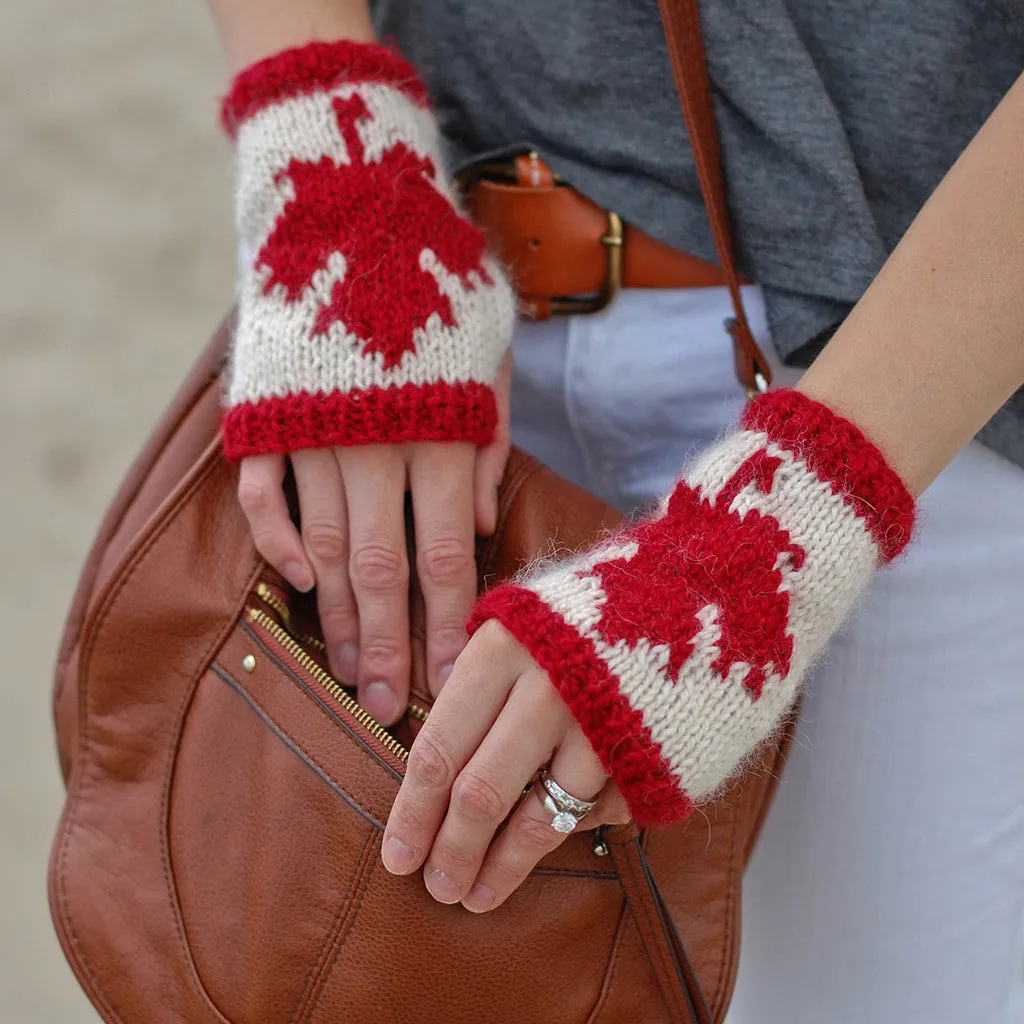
x,y
369,308
679,643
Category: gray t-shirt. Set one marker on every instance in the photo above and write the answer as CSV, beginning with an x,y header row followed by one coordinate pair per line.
x,y
837,119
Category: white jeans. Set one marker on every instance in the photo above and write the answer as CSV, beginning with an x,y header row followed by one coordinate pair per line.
x,y
888,885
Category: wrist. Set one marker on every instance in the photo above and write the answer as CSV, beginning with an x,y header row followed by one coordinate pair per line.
x,y
888,422
253,32
680,643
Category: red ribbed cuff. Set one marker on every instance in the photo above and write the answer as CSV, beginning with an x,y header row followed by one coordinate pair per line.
x,y
836,451
410,412
613,726
317,65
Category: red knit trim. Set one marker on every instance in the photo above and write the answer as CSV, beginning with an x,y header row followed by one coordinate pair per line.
x,y
613,726
836,451
410,412
318,65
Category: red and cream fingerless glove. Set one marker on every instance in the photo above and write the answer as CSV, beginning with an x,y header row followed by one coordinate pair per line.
x,y
369,308
679,644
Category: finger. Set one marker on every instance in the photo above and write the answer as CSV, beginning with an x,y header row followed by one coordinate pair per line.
x,y
441,480
324,526
374,481
490,461
611,809
273,532
490,468
530,834
520,741
471,700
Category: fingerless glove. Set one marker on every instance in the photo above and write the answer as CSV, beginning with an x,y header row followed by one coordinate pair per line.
x,y
679,644
369,309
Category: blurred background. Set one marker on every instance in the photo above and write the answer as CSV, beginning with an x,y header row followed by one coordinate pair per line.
x,y
115,266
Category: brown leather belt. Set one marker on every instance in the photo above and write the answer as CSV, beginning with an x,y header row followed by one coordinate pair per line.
x,y
565,253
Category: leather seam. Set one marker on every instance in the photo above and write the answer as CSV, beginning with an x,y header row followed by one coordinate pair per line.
x,y
316,966
319,703
675,957
181,716
609,876
614,959
655,957
294,746
311,987
65,914
83,735
652,926
369,866
95,628
722,988
102,540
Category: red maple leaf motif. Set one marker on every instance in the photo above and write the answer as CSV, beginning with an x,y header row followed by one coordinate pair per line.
x,y
701,554
380,215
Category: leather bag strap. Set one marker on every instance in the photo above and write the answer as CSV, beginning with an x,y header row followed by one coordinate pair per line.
x,y
676,978
680,987
681,21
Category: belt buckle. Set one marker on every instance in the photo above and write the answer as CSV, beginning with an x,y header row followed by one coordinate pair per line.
x,y
613,240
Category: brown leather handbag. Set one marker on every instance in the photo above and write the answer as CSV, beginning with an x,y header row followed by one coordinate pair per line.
x,y
218,857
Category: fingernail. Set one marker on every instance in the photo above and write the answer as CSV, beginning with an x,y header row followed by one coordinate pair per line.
x,y
480,898
443,673
298,576
443,888
398,858
379,700
348,662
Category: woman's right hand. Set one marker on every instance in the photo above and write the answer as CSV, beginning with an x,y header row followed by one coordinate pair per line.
x,y
371,349
351,544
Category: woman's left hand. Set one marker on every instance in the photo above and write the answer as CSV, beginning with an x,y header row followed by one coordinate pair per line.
x,y
496,722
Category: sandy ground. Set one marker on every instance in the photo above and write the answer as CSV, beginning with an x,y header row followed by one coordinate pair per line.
x,y
115,264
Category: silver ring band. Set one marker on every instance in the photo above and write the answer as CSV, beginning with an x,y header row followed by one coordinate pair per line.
x,y
566,810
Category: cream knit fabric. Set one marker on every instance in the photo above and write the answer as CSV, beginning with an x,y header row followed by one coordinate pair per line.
x,y
680,643
371,310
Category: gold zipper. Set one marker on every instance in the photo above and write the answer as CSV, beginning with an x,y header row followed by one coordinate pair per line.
x,y
325,681
312,641
270,598
332,687
417,712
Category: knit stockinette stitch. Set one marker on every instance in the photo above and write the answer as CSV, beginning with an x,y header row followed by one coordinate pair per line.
x,y
371,310
679,644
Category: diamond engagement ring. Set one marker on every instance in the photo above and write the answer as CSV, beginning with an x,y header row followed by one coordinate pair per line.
x,y
567,810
